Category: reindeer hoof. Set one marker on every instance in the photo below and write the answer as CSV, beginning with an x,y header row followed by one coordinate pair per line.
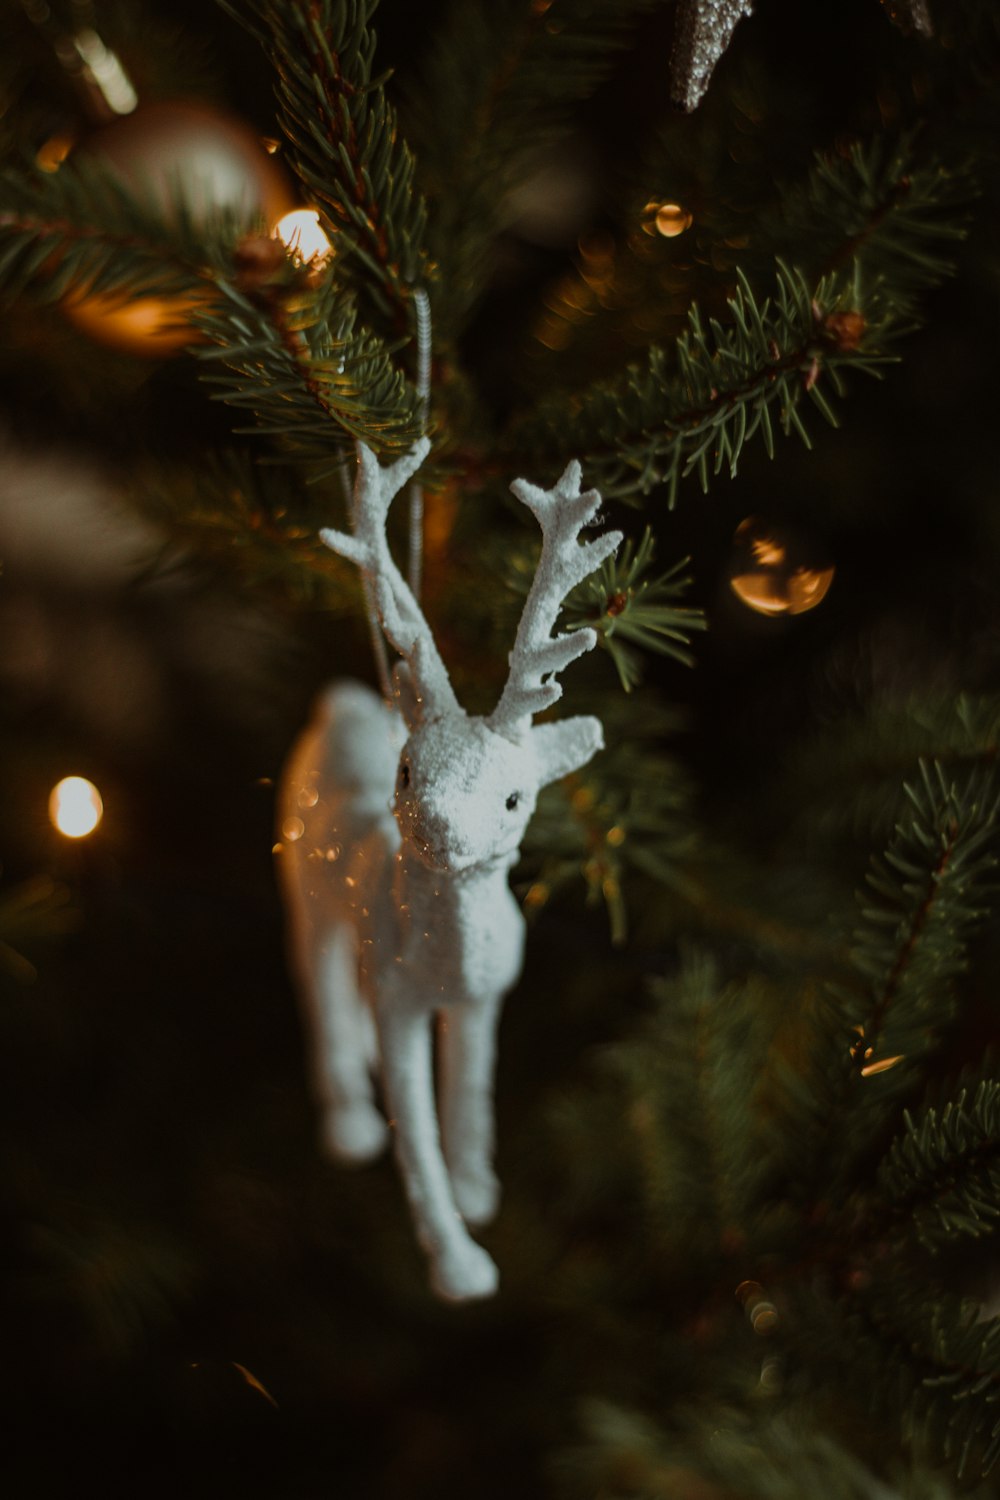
x,y
477,1197
355,1134
465,1275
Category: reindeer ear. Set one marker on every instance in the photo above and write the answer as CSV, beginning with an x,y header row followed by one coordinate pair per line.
x,y
565,746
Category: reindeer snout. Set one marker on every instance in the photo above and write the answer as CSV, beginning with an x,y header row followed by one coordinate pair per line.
x,y
435,834
418,825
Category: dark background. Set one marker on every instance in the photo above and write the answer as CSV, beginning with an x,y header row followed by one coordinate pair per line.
x,y
169,1228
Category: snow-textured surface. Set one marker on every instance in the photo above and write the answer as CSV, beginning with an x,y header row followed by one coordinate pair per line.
x,y
703,32
398,826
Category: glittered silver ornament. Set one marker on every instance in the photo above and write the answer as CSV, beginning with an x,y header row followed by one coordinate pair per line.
x,y
910,15
704,29
399,824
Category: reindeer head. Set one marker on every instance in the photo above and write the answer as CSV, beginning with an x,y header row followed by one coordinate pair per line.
x,y
466,787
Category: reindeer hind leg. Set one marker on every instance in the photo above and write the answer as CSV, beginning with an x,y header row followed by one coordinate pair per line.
x,y
342,1042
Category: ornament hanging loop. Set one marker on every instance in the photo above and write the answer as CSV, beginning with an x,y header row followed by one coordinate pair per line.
x,y
415,566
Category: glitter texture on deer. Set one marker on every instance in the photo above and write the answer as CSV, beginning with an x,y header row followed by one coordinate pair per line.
x,y
409,817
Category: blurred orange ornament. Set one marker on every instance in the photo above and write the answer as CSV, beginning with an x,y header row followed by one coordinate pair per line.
x,y
776,571
176,153
668,219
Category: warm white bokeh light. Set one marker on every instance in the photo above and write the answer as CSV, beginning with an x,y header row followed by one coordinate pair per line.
x,y
300,232
105,69
75,807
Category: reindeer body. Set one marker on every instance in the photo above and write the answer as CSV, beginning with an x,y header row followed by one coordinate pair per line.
x,y
400,824
336,832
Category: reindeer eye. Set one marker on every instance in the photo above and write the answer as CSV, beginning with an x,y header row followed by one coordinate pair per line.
x,y
513,800
404,774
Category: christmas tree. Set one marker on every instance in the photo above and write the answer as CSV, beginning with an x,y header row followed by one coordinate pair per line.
x,y
740,263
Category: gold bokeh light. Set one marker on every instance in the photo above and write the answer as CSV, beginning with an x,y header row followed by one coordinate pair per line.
x,y
774,572
52,153
141,325
75,807
667,219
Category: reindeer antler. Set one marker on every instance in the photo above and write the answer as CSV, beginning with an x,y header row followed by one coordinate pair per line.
x,y
562,512
402,618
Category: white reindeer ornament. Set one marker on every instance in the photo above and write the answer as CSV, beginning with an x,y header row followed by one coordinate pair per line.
x,y
408,819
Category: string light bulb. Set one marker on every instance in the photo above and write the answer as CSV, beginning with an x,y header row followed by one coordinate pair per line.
x,y
301,233
75,807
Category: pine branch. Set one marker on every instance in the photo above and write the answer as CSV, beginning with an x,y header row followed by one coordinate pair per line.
x,y
121,1279
234,518
964,1392
913,939
934,1361
710,1452
850,776
629,609
695,1158
871,1039
941,1177
627,813
313,379
294,354
31,912
658,424
693,1072
345,141
24,109
633,609
500,80
80,229
664,419
880,206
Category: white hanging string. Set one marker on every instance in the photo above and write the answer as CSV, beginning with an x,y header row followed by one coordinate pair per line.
x,y
422,305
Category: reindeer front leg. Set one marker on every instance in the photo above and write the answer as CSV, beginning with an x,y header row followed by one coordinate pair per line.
x,y
460,1269
468,1064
